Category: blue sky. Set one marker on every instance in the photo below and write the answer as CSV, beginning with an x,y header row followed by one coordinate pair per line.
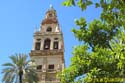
x,y
19,19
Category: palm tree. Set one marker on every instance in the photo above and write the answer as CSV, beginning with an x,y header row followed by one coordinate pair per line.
x,y
19,70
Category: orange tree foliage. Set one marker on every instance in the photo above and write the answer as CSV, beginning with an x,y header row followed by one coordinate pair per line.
x,y
106,37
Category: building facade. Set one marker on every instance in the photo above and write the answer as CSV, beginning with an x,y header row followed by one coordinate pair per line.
x,y
48,48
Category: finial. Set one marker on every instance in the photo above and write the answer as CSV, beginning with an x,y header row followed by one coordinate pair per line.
x,y
51,6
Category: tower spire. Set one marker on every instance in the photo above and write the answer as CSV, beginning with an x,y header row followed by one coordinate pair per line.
x,y
51,6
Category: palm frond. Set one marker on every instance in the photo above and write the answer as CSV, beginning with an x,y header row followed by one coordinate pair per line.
x,y
19,63
31,76
14,58
8,69
8,77
9,64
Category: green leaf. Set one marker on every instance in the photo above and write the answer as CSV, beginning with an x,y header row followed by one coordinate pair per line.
x,y
97,5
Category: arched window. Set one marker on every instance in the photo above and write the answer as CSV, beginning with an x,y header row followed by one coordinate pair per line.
x,y
50,15
47,44
37,45
49,29
55,45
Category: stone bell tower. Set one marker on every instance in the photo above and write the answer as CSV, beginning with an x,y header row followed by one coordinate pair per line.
x,y
48,48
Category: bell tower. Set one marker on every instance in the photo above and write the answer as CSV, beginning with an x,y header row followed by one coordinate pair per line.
x,y
48,48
